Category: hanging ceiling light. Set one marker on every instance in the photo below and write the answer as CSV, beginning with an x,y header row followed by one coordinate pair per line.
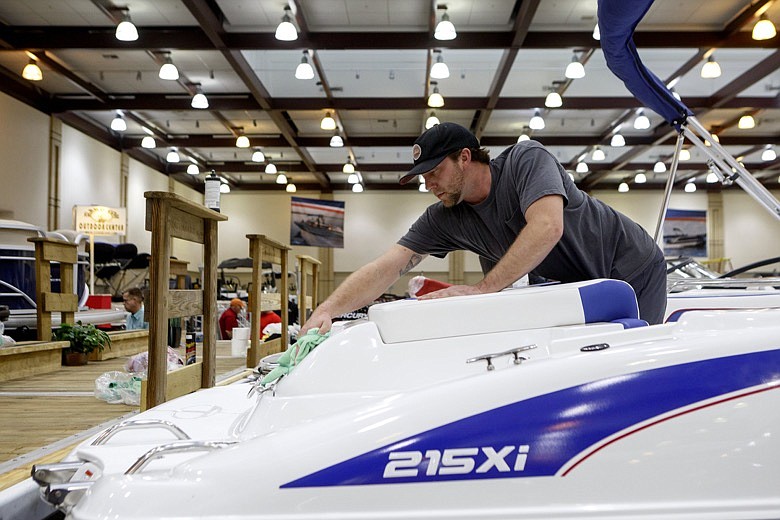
x,y
286,31
422,187
523,137
281,179
357,188
617,141
685,154
582,167
327,122
623,187
598,154
224,188
270,168
336,141
173,156
148,142
353,178
642,122
764,29
768,154
304,69
192,169
126,31
537,122
439,70
690,186
596,32
710,69
291,187
199,100
712,177
168,71
118,124
32,71
435,100
348,168
746,122
553,100
258,156
575,69
431,121
242,141
445,30
659,167
640,178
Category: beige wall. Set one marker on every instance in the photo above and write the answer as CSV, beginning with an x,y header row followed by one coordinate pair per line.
x,y
24,156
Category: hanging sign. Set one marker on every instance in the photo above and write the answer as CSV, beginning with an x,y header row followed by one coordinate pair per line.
x,y
101,220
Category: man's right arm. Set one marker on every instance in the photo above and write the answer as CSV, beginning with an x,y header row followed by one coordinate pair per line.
x,y
364,286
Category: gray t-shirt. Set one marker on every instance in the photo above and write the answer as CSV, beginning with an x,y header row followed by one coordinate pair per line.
x,y
597,242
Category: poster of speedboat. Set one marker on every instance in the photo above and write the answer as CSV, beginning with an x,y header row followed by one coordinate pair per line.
x,y
316,222
685,233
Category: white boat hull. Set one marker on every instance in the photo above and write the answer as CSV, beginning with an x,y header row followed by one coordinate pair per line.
x,y
675,421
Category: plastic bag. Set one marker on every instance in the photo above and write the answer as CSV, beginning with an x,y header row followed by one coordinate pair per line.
x,y
119,387
140,362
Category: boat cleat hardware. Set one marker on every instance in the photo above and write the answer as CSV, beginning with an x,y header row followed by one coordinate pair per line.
x,y
515,352
140,424
65,495
259,389
176,447
45,474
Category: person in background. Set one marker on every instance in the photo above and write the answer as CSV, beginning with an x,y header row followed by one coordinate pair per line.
x,y
229,318
268,317
521,213
133,300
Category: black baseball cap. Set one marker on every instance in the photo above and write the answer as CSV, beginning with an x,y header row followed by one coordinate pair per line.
x,y
435,144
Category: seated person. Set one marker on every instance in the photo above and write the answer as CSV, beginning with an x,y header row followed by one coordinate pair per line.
x,y
134,304
266,318
229,318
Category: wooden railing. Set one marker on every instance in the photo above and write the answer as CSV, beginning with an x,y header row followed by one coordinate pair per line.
x,y
307,267
170,216
262,248
48,250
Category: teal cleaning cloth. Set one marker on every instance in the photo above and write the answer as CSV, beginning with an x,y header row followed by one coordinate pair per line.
x,y
295,354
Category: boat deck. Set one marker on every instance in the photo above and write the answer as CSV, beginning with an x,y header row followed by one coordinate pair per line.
x,y
42,417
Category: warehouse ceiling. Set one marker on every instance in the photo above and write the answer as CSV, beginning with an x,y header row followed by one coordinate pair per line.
x,y
372,61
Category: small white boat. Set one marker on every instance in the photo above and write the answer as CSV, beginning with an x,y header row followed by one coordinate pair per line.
x,y
17,281
533,402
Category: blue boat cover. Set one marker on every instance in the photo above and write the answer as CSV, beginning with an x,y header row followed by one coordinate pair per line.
x,y
617,21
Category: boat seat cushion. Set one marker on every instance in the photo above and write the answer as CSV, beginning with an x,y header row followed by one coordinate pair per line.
x,y
530,307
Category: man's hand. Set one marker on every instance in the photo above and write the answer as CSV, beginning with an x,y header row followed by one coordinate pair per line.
x,y
319,319
453,290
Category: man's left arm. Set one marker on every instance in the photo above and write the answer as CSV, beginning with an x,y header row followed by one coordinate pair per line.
x,y
543,229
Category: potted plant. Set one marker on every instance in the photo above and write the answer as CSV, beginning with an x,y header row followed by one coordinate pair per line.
x,y
83,340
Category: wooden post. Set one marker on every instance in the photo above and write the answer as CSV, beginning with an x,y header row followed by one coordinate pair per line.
x,y
171,216
262,248
307,265
48,250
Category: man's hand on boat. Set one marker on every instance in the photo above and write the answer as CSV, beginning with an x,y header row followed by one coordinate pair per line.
x,y
319,319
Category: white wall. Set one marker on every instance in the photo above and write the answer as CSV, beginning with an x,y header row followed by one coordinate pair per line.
x,y
750,232
24,152
89,174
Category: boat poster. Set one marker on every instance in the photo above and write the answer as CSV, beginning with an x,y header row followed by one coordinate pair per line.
x,y
685,233
315,222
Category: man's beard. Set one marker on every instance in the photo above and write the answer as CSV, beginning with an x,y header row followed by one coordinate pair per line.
x,y
450,199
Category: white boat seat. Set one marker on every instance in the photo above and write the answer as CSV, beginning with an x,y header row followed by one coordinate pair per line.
x,y
530,307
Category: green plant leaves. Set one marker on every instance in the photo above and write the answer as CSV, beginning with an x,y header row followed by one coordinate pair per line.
x,y
83,338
